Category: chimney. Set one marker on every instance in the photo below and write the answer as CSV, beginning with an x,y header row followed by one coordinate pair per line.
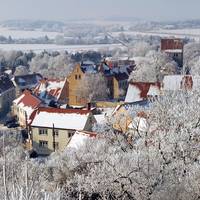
x,y
89,106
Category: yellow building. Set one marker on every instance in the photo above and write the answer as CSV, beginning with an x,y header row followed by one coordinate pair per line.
x,y
124,114
117,83
74,80
121,118
52,128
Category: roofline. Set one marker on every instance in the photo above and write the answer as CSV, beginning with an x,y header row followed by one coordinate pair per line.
x,y
52,128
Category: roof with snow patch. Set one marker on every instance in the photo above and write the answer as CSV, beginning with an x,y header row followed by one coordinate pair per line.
x,y
69,119
27,102
138,91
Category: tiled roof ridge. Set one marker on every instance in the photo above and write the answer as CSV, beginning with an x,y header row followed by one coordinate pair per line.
x,y
64,111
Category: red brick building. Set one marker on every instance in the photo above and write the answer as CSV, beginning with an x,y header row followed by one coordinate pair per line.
x,y
174,49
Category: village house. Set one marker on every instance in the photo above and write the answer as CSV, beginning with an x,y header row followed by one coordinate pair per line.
x,y
122,116
119,62
139,91
181,82
7,94
116,77
74,80
24,106
52,128
139,126
80,138
174,49
24,82
52,90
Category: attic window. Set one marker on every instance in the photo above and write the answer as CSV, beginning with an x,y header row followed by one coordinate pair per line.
x,y
76,77
79,76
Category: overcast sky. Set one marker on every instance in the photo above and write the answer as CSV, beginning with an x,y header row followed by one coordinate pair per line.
x,y
98,9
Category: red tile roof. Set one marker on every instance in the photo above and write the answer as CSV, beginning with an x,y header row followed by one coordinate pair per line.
x,y
144,87
60,110
28,100
53,91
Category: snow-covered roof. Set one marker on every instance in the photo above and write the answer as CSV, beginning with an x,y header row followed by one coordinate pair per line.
x,y
173,51
138,91
138,59
131,106
70,119
79,139
27,81
153,91
133,94
50,87
27,102
178,82
140,124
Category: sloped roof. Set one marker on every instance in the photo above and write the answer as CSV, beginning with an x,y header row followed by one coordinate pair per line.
x,y
27,102
138,91
179,82
79,139
131,105
5,83
140,124
50,87
29,80
71,119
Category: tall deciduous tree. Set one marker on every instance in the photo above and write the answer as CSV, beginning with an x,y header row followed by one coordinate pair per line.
x,y
93,87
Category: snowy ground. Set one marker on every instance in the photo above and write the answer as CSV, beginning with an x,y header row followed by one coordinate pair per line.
x,y
180,33
19,34
51,47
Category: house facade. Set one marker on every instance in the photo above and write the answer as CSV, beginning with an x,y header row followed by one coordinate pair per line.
x,y
52,128
7,94
117,78
174,49
122,117
24,106
74,80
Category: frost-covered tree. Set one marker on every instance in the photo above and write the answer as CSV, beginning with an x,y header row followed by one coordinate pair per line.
x,y
58,66
93,87
161,162
191,55
153,67
141,49
21,70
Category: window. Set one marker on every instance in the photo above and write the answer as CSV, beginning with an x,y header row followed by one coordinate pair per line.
x,y
43,132
43,144
79,76
56,145
76,77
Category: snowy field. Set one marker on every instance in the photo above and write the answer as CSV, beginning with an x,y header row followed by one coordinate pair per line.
x,y
51,47
25,34
180,33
